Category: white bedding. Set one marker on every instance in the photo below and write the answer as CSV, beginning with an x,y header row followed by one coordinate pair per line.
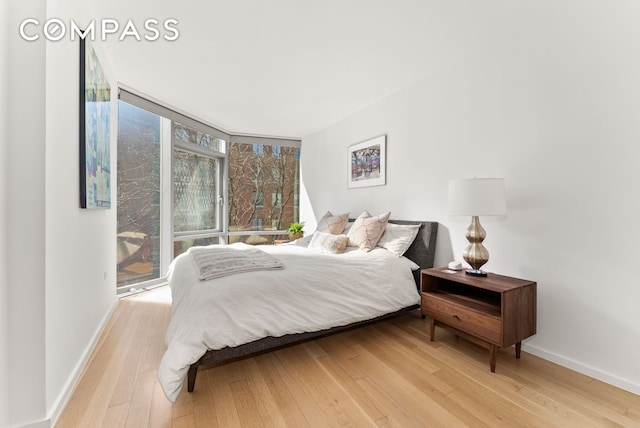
x,y
313,292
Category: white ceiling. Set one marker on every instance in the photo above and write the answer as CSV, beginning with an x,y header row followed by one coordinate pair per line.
x,y
289,68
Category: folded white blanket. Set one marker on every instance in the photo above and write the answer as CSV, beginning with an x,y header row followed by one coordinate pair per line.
x,y
216,261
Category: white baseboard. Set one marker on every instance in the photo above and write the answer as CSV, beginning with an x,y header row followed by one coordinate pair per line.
x,y
40,424
70,385
583,368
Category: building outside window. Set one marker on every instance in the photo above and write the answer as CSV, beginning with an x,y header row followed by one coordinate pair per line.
x,y
278,176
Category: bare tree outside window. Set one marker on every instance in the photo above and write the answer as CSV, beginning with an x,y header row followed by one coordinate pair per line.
x,y
258,171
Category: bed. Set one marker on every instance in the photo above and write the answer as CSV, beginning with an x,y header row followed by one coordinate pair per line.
x,y
258,311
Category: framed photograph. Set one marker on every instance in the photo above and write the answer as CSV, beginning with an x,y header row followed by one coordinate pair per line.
x,y
366,163
95,125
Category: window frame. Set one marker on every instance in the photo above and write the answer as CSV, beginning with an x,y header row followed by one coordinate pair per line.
x,y
169,144
221,217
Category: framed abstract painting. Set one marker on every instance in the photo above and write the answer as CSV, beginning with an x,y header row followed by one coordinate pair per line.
x,y
95,124
366,163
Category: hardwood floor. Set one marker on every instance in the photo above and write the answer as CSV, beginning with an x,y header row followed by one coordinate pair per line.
x,y
388,375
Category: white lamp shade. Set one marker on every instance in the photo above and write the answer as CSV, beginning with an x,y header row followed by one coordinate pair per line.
x,y
477,196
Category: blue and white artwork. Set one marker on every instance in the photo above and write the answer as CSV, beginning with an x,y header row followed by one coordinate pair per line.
x,y
95,123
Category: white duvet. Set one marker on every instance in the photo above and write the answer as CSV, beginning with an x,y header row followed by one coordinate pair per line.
x,y
313,292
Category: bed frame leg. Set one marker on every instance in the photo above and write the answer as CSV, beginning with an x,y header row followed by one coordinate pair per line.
x,y
191,376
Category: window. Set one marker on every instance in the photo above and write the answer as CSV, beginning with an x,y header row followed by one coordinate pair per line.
x,y
257,198
171,172
195,192
138,201
198,170
186,134
182,183
258,174
256,223
276,200
279,177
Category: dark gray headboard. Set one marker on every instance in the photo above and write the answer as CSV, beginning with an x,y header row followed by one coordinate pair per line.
x,y
423,249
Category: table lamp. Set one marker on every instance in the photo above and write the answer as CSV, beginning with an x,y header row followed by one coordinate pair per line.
x,y
477,197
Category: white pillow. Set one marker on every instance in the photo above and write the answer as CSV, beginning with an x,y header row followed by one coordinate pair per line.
x,y
410,263
304,241
366,230
397,238
333,224
327,243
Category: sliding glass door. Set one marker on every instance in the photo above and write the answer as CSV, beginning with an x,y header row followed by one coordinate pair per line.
x,y
138,202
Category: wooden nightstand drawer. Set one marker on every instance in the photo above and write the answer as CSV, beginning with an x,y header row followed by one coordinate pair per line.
x,y
462,318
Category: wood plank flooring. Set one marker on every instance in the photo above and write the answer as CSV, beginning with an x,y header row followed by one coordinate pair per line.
x,y
385,375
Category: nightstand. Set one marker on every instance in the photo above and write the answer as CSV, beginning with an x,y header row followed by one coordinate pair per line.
x,y
494,311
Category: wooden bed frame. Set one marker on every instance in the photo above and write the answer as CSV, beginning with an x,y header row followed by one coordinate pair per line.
x,y
422,252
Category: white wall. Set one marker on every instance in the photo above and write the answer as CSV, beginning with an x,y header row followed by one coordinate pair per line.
x,y
553,108
4,143
59,259
25,215
80,243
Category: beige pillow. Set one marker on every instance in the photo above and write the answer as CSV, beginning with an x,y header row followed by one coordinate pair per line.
x,y
327,243
333,224
367,230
